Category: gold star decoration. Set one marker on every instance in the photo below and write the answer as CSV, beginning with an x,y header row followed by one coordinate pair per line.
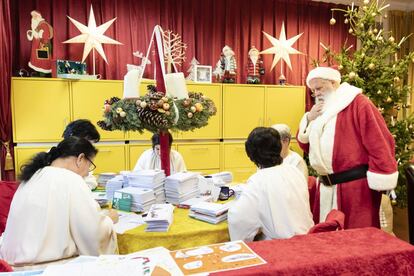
x,y
92,35
282,47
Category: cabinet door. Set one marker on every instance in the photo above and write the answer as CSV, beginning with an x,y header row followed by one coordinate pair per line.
x,y
110,158
241,174
295,147
200,156
213,129
88,99
243,109
235,156
40,108
24,154
285,105
135,152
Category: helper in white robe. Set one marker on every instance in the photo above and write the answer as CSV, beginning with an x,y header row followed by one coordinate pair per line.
x,y
150,160
54,216
294,159
275,203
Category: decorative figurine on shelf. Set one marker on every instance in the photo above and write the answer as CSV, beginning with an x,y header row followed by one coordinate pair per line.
x,y
226,66
255,68
40,34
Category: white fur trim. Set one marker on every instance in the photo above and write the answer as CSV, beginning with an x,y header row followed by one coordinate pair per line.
x,y
382,182
328,200
325,73
304,129
38,69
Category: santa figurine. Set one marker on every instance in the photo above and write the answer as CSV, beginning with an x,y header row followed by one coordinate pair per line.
x,y
40,34
351,149
226,67
255,68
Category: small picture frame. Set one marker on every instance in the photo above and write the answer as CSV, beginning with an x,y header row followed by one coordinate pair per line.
x,y
203,73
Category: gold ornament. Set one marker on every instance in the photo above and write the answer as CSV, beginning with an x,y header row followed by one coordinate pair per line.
x,y
375,31
160,103
396,79
410,126
366,2
193,109
168,113
385,15
389,99
346,21
165,99
199,107
364,8
379,92
143,104
332,21
391,39
362,25
118,110
352,75
190,115
380,38
160,110
166,106
122,114
138,102
340,67
350,30
371,66
374,14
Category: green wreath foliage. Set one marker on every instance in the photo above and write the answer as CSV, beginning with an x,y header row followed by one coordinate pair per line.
x,y
155,112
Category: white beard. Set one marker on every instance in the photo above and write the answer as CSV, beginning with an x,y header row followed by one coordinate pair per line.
x,y
327,99
35,23
254,59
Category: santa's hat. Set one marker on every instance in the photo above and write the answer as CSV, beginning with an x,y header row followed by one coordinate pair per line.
x,y
325,73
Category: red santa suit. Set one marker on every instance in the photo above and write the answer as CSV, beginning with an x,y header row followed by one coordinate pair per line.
x,y
349,133
40,57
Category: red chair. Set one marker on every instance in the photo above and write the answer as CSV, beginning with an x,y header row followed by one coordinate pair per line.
x,y
334,221
5,267
7,190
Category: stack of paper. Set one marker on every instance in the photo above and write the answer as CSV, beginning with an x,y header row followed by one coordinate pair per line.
x,y
114,184
142,198
150,179
127,221
104,177
159,218
226,177
100,197
210,212
181,186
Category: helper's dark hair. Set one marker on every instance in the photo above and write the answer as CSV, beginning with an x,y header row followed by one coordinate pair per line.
x,y
155,139
82,128
71,146
263,147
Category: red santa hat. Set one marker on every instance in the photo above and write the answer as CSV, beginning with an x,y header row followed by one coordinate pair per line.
x,y
325,73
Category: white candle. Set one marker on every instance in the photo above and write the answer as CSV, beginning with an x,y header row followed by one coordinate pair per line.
x,y
131,84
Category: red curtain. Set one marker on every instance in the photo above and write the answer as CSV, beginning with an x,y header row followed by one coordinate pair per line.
x,y
6,73
206,26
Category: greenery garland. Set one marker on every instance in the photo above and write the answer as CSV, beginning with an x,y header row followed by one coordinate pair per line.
x,y
155,112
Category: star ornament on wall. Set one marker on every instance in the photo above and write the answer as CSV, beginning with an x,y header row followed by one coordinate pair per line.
x,y
282,47
92,35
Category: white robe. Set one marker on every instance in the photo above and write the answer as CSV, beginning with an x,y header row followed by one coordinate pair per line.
x,y
294,159
149,160
275,202
53,216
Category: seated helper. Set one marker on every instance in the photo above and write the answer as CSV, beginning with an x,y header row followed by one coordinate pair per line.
x,y
53,215
289,156
276,200
151,160
83,128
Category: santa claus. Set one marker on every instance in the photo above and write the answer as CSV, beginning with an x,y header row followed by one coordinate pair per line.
x,y
350,147
40,34
255,68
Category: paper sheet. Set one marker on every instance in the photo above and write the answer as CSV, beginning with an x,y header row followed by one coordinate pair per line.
x,y
127,221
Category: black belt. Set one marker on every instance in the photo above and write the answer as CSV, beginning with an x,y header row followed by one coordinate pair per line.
x,y
345,176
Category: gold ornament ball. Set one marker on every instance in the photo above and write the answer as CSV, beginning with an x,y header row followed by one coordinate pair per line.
x,y
143,104
190,115
199,107
118,110
364,8
374,14
138,102
193,109
371,66
366,2
332,21
352,75
346,21
160,110
340,67
167,113
396,79
389,100
375,31
380,38
379,92
362,25
370,32
160,103
166,106
391,39
165,99
410,126
385,15
350,30
122,114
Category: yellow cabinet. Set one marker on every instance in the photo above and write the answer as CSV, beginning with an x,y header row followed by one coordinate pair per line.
x,y
135,151
200,156
241,174
213,129
24,154
295,147
110,158
88,98
40,108
285,105
242,109
235,156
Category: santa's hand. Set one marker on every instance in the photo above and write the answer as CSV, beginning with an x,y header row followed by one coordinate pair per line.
x,y
29,34
41,33
315,112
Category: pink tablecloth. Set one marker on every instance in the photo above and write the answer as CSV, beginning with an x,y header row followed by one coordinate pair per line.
x,y
365,251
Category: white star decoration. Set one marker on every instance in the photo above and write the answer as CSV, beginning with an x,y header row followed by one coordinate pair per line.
x,y
92,35
281,47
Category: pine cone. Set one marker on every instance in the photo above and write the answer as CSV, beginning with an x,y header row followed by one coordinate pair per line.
x,y
114,100
152,118
103,125
151,88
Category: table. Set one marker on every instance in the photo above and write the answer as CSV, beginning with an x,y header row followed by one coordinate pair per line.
x,y
184,232
364,251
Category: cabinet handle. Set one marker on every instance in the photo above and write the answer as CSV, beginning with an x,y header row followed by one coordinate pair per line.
x,y
199,149
105,150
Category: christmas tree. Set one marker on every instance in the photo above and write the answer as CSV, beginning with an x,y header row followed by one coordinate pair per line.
x,y
377,68
191,70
